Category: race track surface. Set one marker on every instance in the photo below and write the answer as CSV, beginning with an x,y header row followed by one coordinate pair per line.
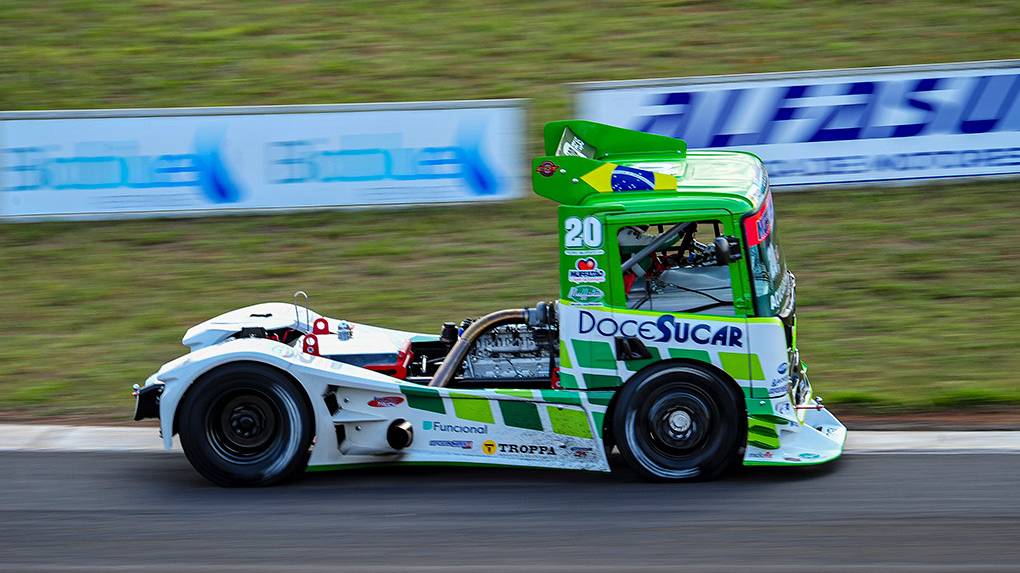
x,y
151,512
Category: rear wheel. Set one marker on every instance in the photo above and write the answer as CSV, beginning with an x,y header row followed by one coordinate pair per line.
x,y
678,422
246,425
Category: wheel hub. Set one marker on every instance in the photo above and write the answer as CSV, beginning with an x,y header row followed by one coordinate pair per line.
x,y
679,421
246,424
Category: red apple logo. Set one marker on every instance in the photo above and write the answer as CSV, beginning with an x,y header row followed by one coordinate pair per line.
x,y
586,264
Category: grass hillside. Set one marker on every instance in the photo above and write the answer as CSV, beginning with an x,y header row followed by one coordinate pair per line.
x,y
908,296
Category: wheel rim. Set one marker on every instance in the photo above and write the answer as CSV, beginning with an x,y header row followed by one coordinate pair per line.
x,y
242,426
679,423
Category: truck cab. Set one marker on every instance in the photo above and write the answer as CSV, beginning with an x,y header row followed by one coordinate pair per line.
x,y
673,257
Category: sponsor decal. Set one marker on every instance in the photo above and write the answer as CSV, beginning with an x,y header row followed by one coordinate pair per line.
x,y
789,459
386,401
460,444
586,294
571,144
583,252
782,368
580,452
665,328
778,386
766,455
809,456
784,408
454,428
490,447
547,168
758,227
586,271
778,295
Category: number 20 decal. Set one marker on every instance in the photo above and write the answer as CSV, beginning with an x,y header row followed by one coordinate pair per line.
x,y
582,233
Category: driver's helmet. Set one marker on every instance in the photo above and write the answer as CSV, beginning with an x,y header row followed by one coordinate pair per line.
x,y
633,236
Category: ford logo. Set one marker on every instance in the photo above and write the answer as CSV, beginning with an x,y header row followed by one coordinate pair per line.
x,y
782,368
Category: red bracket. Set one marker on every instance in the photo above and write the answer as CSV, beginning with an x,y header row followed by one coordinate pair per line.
x,y
320,326
311,345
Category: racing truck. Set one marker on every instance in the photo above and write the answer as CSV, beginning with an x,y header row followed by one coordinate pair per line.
x,y
673,341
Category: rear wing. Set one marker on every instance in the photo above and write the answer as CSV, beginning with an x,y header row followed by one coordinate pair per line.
x,y
603,141
581,159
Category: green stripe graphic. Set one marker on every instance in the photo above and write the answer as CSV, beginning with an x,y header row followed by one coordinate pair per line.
x,y
520,414
427,399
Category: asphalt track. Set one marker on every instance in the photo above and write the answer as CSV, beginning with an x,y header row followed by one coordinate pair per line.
x,y
71,511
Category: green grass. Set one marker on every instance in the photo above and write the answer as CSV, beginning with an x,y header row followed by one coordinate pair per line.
x,y
908,296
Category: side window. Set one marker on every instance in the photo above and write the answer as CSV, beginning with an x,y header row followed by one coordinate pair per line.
x,y
672,268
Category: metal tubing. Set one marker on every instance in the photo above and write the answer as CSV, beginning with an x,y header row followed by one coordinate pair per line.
x,y
662,239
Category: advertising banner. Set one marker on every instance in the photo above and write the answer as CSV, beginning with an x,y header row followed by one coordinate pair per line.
x,y
120,163
833,127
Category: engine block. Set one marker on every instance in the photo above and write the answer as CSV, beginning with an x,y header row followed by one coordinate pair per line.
x,y
511,351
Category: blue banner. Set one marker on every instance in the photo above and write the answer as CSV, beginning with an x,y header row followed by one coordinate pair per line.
x,y
837,126
102,164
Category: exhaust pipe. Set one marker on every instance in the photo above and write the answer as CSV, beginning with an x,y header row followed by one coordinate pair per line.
x,y
400,434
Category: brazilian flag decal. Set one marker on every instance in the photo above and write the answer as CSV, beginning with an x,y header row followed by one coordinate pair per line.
x,y
610,177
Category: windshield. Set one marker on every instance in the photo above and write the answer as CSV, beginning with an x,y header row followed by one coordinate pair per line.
x,y
771,280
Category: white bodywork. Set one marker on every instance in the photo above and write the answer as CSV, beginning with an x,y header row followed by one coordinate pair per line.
x,y
537,428
472,426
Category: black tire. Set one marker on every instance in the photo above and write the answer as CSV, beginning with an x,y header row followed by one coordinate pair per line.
x,y
246,424
677,422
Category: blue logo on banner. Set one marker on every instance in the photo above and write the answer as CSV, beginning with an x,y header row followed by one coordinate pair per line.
x,y
105,165
310,161
845,111
213,177
477,174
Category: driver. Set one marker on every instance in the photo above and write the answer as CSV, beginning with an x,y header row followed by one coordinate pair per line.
x,y
631,240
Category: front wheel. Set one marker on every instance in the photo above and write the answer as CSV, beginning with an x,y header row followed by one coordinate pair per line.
x,y
246,425
677,422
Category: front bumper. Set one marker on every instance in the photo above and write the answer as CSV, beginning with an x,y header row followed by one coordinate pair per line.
x,y
147,399
819,439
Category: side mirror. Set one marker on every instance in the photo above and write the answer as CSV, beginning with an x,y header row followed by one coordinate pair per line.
x,y
727,250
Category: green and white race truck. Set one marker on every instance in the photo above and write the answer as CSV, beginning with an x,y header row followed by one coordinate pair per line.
x,y
674,339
